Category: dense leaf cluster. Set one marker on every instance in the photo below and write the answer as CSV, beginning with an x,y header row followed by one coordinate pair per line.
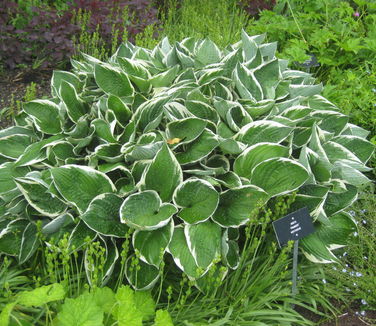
x,y
177,146
45,35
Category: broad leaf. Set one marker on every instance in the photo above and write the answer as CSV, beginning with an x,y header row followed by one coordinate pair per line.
x,y
145,211
79,184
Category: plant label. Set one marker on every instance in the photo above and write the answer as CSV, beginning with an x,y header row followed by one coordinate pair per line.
x,y
293,226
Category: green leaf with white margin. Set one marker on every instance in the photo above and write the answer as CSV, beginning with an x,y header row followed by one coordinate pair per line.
x,y
112,80
318,246
278,176
13,146
109,153
103,216
37,194
197,199
142,276
246,84
41,295
79,236
59,76
36,152
149,114
11,236
165,79
45,114
199,148
304,90
256,154
76,108
237,205
360,147
80,184
336,152
58,226
166,182
120,109
207,53
268,76
8,173
80,311
184,131
263,131
204,242
163,318
144,211
181,254
29,243
103,130
338,201
349,174
152,244
217,163
230,254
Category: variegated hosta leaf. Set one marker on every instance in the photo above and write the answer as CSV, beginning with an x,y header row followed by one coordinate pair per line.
x,y
166,182
112,80
29,243
181,254
278,176
199,148
236,205
103,215
145,211
141,276
184,131
39,197
197,199
152,244
45,115
263,131
319,245
204,242
80,184
256,154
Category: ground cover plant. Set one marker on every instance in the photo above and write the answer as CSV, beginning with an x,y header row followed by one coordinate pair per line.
x,y
169,151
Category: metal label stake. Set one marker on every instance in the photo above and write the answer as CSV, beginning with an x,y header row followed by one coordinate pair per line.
x,y
294,226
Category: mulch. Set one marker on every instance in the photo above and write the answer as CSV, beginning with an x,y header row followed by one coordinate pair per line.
x,y
13,83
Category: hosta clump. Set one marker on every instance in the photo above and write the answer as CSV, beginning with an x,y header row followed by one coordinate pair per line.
x,y
175,147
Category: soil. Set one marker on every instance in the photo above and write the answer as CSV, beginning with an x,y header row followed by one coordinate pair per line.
x,y
13,84
13,87
350,318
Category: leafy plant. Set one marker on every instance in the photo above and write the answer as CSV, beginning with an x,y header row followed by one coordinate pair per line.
x,y
100,306
178,146
335,41
48,36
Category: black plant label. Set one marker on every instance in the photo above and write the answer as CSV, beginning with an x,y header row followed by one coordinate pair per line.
x,y
293,226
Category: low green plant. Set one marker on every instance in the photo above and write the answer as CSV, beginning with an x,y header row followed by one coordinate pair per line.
x,y
335,41
15,106
100,306
358,264
223,19
178,146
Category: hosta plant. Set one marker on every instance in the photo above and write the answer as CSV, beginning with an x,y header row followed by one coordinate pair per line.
x,y
175,147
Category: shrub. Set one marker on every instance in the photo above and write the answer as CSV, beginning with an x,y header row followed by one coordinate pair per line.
x,y
341,38
45,36
178,146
